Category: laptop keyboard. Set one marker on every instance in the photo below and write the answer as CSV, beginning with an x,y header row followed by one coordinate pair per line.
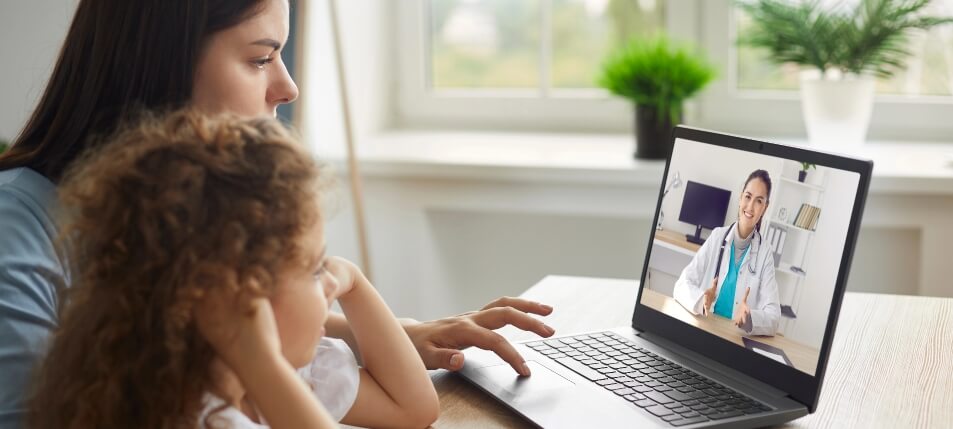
x,y
664,388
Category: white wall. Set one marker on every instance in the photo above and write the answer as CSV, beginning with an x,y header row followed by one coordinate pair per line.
x,y
31,33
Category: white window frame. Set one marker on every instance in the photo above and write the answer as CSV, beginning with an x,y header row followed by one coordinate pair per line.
x,y
778,113
721,106
420,106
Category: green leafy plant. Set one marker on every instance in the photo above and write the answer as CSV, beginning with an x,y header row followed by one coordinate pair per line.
x,y
656,72
807,165
871,37
3,145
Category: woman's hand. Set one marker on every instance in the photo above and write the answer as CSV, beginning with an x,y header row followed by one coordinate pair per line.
x,y
743,313
439,341
709,297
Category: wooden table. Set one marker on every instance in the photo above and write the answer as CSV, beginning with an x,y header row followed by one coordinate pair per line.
x,y
891,364
804,357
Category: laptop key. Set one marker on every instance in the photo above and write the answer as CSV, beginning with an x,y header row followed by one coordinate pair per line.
x,y
580,369
678,396
623,392
688,421
671,417
658,410
729,414
645,403
658,397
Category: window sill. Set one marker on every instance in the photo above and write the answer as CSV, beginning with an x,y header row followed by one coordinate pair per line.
x,y
907,168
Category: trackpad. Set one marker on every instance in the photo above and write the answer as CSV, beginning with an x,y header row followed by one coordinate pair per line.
x,y
542,378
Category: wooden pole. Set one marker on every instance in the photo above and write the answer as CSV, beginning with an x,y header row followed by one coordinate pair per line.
x,y
357,191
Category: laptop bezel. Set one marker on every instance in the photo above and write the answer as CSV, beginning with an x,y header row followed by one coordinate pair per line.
x,y
801,386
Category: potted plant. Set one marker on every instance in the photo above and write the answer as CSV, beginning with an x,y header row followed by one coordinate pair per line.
x,y
657,76
841,49
801,175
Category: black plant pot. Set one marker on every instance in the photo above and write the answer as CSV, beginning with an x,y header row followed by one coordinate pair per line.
x,y
801,175
653,133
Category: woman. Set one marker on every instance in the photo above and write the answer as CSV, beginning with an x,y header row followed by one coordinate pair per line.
x,y
735,258
119,58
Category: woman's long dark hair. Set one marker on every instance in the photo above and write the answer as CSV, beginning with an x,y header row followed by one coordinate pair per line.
x,y
766,178
120,58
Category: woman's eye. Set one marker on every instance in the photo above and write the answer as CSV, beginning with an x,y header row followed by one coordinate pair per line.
x,y
262,62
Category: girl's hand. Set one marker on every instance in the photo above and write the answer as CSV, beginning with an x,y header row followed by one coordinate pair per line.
x,y
243,334
345,273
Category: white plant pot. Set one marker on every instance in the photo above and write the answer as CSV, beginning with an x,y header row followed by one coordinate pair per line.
x,y
836,109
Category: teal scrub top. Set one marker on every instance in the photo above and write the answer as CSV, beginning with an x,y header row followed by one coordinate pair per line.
x,y
31,276
725,304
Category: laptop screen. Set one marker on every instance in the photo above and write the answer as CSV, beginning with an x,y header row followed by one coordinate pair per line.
x,y
748,247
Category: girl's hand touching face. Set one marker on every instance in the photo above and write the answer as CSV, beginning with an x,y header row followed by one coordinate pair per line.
x,y
344,273
241,333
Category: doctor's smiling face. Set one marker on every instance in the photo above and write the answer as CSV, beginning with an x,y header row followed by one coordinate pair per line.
x,y
753,202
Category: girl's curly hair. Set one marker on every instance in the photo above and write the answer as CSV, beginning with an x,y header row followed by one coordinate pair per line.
x,y
172,208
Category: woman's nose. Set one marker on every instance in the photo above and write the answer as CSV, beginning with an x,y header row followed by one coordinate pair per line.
x,y
283,90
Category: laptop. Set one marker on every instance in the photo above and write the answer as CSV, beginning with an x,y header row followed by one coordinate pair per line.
x,y
684,364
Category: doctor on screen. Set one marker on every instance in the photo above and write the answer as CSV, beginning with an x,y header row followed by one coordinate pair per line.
x,y
732,275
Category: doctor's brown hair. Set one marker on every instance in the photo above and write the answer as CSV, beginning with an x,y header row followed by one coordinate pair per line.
x,y
766,178
171,210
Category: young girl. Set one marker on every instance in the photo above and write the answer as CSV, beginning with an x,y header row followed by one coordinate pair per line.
x,y
201,283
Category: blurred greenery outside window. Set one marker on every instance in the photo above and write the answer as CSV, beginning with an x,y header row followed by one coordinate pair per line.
x,y
929,69
560,44
531,44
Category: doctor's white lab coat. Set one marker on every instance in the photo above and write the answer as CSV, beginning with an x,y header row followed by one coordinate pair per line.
x,y
763,301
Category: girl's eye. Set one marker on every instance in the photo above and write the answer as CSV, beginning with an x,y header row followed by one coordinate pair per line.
x,y
321,270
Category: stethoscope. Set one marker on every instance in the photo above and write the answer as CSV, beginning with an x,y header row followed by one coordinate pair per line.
x,y
721,252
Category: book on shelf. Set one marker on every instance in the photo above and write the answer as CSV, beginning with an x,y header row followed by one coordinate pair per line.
x,y
807,217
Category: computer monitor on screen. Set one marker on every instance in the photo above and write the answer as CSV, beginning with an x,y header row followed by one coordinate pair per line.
x,y
705,207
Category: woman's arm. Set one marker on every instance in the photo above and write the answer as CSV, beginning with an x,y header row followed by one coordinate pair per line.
x,y
693,282
395,390
766,308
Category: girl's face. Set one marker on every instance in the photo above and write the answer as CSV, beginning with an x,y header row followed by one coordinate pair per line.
x,y
241,71
752,204
302,301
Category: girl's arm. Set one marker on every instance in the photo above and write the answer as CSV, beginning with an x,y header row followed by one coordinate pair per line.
x,y
281,397
395,389
249,346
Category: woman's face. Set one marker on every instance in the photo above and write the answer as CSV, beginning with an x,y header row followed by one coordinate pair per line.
x,y
302,301
752,204
241,71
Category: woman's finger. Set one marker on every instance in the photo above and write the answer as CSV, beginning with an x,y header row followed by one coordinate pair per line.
x,y
498,317
521,304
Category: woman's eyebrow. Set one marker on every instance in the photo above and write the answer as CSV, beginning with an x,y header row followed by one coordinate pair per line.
x,y
272,43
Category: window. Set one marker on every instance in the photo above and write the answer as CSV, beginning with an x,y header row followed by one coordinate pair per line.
x,y
929,69
519,64
530,44
755,97
531,64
